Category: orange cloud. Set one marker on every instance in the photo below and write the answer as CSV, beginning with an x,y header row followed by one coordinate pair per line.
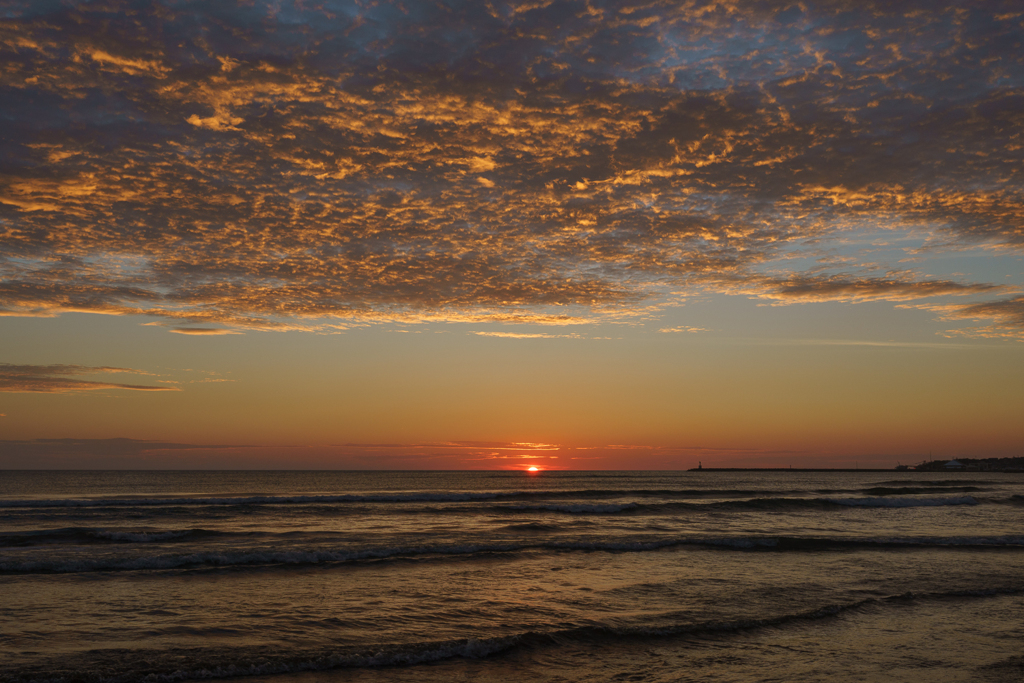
x,y
203,331
283,175
1006,316
843,287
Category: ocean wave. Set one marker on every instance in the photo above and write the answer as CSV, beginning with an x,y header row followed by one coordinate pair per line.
x,y
531,526
508,501
123,666
252,558
759,504
127,666
577,508
226,559
148,536
408,497
918,490
907,542
934,482
78,536
253,500
884,502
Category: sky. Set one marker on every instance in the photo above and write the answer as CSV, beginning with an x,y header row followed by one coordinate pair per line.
x,y
481,234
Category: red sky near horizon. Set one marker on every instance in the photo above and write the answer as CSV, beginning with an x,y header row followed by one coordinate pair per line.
x,y
575,235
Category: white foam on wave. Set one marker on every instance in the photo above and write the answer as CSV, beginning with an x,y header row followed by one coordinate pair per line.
x,y
885,502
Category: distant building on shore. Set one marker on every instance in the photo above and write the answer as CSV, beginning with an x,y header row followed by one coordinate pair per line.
x,y
1011,464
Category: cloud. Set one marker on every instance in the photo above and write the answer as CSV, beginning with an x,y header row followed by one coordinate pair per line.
x,y
459,445
1006,316
683,328
251,166
528,335
203,331
804,288
121,453
138,454
879,344
60,379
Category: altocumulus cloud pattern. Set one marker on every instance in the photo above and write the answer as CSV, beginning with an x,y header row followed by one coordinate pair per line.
x,y
317,164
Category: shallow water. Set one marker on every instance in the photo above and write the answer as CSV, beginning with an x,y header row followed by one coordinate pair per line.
x,y
423,576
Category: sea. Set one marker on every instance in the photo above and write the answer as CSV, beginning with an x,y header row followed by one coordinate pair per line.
x,y
303,577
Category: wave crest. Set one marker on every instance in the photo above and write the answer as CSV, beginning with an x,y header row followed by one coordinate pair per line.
x,y
272,558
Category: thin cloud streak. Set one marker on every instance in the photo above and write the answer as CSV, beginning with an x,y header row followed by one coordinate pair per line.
x,y
60,379
528,335
203,331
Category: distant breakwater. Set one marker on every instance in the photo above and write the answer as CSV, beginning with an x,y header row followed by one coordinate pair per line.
x,y
843,469
792,469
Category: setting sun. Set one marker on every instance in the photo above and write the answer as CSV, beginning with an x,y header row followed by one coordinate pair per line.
x,y
532,469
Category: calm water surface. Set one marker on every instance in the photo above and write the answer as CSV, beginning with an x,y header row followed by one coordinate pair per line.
x,y
481,576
